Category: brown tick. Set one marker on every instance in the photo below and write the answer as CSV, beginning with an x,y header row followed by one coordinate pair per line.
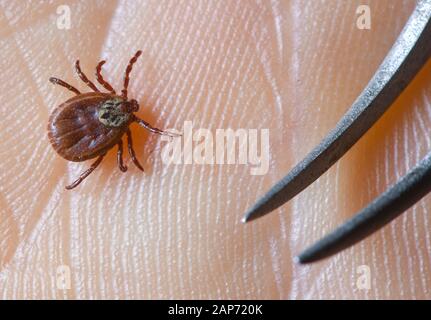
x,y
90,124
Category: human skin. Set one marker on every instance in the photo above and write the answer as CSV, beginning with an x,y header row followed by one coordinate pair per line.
x,y
293,67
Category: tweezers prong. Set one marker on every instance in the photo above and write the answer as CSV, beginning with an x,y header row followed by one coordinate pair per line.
x,y
409,53
389,205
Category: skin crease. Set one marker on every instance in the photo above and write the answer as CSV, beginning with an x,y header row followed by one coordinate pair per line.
x,y
174,232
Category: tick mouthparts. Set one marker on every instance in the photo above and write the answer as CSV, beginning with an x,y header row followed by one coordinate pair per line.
x,y
126,107
129,106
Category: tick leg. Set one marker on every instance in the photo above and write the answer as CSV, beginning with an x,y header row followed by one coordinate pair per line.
x,y
63,84
127,73
122,167
100,79
131,151
84,77
85,174
147,126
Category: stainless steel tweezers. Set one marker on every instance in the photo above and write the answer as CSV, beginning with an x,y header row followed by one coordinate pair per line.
x,y
410,52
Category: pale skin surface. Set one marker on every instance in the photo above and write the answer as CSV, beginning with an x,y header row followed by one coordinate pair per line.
x,y
175,232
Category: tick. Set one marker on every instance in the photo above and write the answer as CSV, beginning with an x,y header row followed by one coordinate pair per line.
x,y
89,124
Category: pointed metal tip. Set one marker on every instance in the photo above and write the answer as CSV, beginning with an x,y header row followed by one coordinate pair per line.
x,y
338,240
308,256
256,211
249,216
303,259
278,195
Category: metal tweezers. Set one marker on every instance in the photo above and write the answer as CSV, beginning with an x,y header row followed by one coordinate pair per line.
x,y
408,55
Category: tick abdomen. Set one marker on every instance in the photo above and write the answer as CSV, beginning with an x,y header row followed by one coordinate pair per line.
x,y
76,130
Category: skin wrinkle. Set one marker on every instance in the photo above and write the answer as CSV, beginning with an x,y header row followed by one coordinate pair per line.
x,y
264,61
427,239
23,248
407,219
189,199
277,17
198,75
22,173
41,226
174,232
422,281
158,62
392,227
173,31
8,233
17,26
272,82
223,112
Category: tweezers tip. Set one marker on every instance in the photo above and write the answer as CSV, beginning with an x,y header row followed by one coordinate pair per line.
x,y
304,258
248,216
297,260
251,214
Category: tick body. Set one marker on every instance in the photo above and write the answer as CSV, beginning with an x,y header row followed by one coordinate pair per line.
x,y
89,124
